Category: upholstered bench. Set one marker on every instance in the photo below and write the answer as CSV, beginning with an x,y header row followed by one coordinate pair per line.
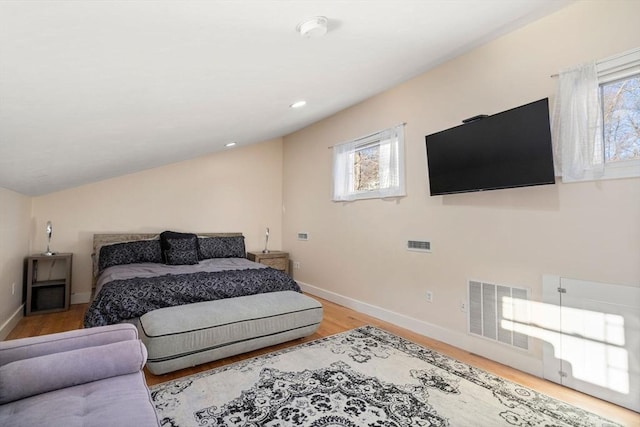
x,y
188,335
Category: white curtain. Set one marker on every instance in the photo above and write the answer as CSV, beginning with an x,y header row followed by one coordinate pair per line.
x,y
577,124
391,166
343,163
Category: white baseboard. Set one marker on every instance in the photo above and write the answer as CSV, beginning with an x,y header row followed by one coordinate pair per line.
x,y
515,358
80,297
11,323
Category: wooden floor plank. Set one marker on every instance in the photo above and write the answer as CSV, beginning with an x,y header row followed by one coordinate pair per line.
x,y
339,319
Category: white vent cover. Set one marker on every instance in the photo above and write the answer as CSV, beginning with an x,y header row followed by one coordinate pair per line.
x,y
492,311
303,236
418,245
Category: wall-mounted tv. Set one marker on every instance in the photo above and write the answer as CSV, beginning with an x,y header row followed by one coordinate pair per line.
x,y
504,150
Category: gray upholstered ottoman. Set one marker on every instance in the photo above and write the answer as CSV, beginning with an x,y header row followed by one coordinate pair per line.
x,y
188,335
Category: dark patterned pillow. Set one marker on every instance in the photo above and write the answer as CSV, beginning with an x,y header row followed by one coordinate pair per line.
x,y
179,248
181,257
129,253
222,247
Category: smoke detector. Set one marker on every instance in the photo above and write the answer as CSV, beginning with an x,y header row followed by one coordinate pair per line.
x,y
313,27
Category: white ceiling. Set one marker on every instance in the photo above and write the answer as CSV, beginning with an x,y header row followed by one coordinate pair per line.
x,y
95,89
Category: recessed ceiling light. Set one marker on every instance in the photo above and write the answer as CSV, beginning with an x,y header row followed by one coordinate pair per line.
x,y
298,104
313,27
230,144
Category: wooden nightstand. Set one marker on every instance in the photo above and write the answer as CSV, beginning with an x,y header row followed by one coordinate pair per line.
x,y
274,259
48,287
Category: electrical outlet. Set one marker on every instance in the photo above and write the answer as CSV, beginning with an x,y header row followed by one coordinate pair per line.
x,y
429,296
296,265
13,288
463,306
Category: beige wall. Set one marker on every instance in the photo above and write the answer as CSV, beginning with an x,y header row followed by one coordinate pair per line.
x,y
236,190
15,220
356,250
513,237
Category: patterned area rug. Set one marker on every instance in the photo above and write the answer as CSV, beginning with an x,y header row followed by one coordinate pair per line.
x,y
363,377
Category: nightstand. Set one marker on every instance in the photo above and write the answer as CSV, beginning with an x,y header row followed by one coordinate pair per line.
x,y
48,287
274,259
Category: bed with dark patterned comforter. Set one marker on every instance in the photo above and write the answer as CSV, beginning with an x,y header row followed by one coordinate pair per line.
x,y
136,277
136,290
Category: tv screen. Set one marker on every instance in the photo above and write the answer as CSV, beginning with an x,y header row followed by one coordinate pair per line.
x,y
504,150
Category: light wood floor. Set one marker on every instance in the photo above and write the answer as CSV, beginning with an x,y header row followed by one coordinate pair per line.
x,y
338,319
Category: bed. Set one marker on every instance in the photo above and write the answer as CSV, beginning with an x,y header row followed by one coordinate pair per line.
x,y
135,274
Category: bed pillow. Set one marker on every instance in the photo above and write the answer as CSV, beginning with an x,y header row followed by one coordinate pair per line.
x,y
179,248
129,253
222,247
181,257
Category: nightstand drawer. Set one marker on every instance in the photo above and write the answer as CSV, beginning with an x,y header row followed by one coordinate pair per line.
x,y
274,259
277,263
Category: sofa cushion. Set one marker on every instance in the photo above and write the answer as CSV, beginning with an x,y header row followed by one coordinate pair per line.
x,y
118,401
25,348
36,375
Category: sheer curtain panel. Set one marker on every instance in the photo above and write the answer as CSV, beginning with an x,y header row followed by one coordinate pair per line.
x,y
576,126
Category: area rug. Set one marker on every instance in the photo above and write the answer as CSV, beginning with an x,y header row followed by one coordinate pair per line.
x,y
362,377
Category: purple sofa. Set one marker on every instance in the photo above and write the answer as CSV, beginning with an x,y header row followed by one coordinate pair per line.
x,y
86,377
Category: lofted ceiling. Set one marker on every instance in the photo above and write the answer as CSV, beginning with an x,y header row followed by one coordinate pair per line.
x,y
95,89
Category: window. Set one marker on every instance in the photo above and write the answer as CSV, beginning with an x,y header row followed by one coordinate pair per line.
x,y
596,121
621,114
370,167
620,96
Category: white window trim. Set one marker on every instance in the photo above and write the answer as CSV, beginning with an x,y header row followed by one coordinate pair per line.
x,y
343,162
615,170
618,66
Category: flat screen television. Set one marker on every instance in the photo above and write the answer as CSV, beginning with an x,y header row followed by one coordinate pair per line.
x,y
504,150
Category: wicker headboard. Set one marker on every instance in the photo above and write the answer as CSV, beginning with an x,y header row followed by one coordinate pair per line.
x,y
99,240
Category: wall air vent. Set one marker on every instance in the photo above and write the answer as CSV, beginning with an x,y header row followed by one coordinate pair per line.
x,y
496,312
418,246
303,236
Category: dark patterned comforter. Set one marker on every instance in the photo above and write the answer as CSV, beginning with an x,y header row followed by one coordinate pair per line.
x,y
126,299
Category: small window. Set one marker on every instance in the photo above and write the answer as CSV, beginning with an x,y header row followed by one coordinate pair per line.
x,y
370,167
366,168
621,119
619,80
596,120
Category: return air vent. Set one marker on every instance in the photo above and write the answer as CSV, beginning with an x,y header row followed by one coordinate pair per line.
x,y
495,309
303,236
418,246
